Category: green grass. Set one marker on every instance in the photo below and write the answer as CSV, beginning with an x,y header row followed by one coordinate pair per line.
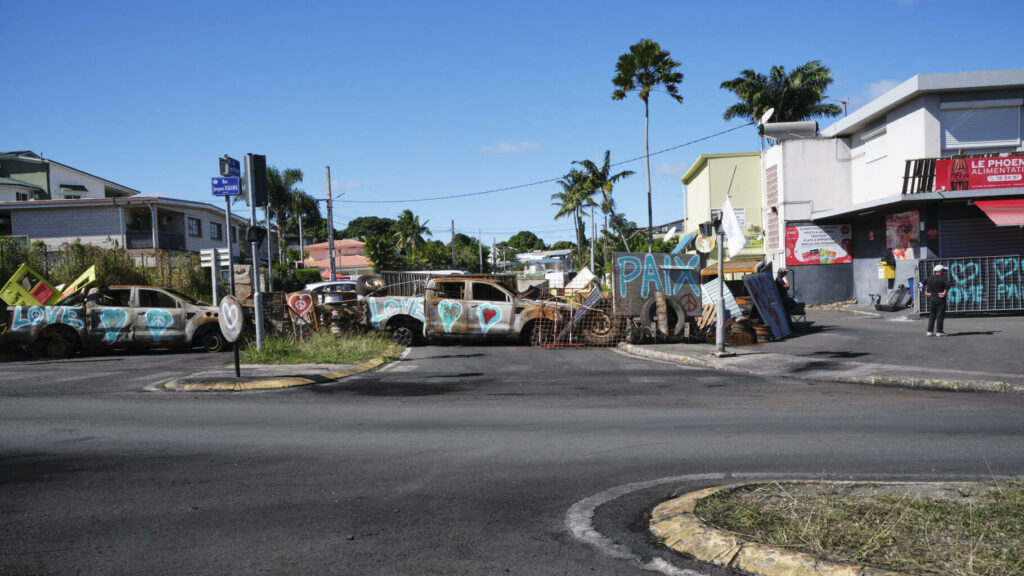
x,y
964,531
319,348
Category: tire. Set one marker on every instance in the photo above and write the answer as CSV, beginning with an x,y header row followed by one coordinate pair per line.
x,y
602,327
371,286
61,344
676,318
210,340
542,332
403,335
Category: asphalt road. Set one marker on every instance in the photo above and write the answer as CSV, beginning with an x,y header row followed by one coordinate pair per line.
x,y
454,460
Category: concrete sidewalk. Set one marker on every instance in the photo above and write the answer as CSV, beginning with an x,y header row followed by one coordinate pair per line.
x,y
859,345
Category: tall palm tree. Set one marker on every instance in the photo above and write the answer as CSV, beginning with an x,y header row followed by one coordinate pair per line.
x,y
576,195
409,233
794,96
643,68
602,180
281,192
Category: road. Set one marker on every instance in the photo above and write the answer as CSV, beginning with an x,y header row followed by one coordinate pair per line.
x,y
454,460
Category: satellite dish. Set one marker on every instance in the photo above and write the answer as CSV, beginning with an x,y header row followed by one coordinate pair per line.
x,y
766,116
671,232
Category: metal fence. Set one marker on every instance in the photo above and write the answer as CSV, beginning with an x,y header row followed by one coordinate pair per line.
x,y
983,285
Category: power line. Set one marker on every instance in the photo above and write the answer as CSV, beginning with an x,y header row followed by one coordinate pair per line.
x,y
539,182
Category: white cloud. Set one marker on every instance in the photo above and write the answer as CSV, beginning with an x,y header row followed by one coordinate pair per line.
x,y
876,89
668,169
339,186
520,147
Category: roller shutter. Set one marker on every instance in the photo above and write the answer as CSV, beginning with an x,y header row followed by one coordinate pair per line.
x,y
970,237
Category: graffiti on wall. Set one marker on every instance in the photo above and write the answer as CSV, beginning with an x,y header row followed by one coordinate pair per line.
x,y
636,276
381,309
987,284
159,321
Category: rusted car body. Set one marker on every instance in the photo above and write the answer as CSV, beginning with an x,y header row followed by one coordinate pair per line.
x,y
461,307
119,317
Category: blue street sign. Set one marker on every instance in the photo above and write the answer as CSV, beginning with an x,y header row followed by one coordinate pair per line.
x,y
229,166
226,186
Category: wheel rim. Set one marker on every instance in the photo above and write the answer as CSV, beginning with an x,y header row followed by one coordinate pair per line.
x,y
402,336
57,347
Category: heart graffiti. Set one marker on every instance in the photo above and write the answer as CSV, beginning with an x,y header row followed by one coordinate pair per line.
x,y
489,316
300,303
113,320
449,311
1005,267
964,273
159,321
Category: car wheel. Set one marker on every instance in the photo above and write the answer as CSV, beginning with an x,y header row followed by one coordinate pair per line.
x,y
371,286
211,340
60,345
602,328
402,335
543,333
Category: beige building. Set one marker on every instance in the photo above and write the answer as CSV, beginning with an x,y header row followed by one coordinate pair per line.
x,y
706,184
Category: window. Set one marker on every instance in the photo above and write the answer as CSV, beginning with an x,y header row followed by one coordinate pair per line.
x,y
21,196
980,123
6,229
195,227
154,299
234,235
216,231
488,292
451,290
122,297
72,196
874,144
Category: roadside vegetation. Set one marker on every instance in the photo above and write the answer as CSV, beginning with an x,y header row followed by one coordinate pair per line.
x,y
958,529
320,348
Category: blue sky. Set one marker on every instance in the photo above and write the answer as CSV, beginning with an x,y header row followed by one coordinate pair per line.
x,y
413,100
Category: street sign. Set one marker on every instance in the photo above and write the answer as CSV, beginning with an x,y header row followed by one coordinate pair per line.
x,y
206,257
226,186
231,318
229,166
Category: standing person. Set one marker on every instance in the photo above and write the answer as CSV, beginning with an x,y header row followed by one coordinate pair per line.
x,y
935,289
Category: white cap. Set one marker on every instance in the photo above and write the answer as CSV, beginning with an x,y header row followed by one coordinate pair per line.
x,y
938,268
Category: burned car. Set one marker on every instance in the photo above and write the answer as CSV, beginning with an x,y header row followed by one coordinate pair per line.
x,y
117,317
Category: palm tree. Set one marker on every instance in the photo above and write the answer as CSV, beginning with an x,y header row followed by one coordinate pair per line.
x,y
576,194
409,232
281,192
601,179
643,68
794,96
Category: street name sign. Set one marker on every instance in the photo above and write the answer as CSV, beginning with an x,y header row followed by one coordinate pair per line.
x,y
226,186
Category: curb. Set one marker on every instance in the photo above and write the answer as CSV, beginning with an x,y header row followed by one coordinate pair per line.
x,y
680,529
873,380
276,383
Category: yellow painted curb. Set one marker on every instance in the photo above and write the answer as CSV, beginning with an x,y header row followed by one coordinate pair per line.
x,y
676,525
183,385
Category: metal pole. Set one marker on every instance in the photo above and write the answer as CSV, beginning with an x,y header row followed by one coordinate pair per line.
x,y
453,244
720,327
213,274
480,247
302,242
591,239
270,251
330,225
231,257
257,295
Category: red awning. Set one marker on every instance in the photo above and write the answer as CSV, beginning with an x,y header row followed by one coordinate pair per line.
x,y
1003,212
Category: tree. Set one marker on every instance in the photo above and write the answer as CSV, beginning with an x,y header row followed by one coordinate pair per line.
x,y
409,232
602,180
365,226
525,241
794,96
380,250
282,198
563,245
576,195
643,68
434,254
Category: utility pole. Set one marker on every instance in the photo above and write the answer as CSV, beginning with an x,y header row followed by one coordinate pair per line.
x,y
302,242
330,224
270,251
453,244
480,246
592,232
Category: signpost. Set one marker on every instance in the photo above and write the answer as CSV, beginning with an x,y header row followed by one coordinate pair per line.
x,y
227,186
232,320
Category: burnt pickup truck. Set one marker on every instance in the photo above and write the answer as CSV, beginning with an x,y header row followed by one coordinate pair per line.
x,y
118,317
464,307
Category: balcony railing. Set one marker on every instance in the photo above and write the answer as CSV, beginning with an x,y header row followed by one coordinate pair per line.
x,y
144,239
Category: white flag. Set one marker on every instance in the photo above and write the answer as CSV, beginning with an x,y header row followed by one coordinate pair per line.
x,y
731,225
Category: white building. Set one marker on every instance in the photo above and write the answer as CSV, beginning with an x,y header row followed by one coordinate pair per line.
x,y
879,179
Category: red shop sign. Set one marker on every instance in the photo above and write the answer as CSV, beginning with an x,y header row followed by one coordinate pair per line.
x,y
979,173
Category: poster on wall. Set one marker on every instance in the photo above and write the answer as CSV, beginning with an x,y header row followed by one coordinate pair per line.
x,y
809,243
979,173
901,234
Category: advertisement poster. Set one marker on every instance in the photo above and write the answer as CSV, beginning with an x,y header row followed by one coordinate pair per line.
x,y
979,173
809,243
901,234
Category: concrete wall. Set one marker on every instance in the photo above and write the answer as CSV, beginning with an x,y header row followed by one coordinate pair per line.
x,y
60,175
813,178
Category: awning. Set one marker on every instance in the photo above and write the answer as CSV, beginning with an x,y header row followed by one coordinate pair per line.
x,y
1003,212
